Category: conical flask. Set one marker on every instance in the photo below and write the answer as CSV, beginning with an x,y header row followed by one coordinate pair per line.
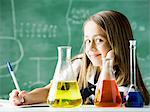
x,y
134,97
107,93
64,91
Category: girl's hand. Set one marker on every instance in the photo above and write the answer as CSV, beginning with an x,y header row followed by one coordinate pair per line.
x,y
17,98
107,66
110,55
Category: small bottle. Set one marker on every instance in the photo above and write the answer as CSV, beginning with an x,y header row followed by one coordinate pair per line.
x,y
64,92
107,93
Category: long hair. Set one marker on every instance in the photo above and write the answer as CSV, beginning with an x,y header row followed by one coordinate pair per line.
x,y
119,32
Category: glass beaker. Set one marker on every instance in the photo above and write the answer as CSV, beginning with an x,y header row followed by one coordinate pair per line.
x,y
64,91
107,93
134,97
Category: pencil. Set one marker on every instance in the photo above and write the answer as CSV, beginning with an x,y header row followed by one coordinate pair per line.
x,y
13,75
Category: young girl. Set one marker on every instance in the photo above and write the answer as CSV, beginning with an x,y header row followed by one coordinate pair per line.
x,y
106,35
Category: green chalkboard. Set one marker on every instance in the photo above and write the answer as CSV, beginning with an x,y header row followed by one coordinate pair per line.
x,y
31,30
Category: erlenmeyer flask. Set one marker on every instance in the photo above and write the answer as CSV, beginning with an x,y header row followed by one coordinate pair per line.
x,y
107,93
134,97
64,91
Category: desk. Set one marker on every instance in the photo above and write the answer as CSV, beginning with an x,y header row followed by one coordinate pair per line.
x,y
83,108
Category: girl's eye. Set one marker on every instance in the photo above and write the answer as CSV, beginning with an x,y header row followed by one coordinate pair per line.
x,y
99,40
87,41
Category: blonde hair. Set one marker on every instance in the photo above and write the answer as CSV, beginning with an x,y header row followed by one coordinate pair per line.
x,y
119,32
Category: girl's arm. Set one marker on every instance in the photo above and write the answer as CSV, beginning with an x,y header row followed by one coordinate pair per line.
x,y
38,95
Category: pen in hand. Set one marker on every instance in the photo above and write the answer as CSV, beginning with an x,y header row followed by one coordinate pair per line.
x,y
13,76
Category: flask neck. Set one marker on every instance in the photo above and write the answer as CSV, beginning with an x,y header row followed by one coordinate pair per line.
x,y
63,70
107,72
133,62
64,53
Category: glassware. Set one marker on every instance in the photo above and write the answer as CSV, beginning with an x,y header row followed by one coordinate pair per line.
x,y
107,93
134,97
64,91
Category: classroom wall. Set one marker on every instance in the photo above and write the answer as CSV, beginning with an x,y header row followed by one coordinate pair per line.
x,y
31,30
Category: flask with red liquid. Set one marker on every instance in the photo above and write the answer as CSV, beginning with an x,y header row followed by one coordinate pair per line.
x,y
107,93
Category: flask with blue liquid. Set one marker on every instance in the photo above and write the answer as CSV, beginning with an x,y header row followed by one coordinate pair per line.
x,y
134,97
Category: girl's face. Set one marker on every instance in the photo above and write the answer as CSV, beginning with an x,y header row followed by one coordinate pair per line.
x,y
96,44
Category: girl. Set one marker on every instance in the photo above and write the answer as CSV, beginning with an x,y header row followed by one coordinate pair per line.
x,y
106,35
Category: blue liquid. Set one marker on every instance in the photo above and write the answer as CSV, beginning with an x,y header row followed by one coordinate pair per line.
x,y
135,99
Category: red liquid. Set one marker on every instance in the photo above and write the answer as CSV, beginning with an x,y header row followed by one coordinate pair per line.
x,y
108,95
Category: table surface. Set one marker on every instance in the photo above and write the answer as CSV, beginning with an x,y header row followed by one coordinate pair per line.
x,y
5,106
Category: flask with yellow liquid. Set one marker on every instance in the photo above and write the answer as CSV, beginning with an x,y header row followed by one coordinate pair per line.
x,y
64,92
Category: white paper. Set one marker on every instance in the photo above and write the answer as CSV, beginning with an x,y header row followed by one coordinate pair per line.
x,y
6,103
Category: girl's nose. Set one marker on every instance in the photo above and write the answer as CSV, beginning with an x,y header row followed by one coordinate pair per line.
x,y
93,45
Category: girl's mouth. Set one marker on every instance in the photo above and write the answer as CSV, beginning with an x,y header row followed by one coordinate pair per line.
x,y
95,55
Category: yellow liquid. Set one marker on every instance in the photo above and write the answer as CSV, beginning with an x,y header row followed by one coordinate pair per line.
x,y
67,95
